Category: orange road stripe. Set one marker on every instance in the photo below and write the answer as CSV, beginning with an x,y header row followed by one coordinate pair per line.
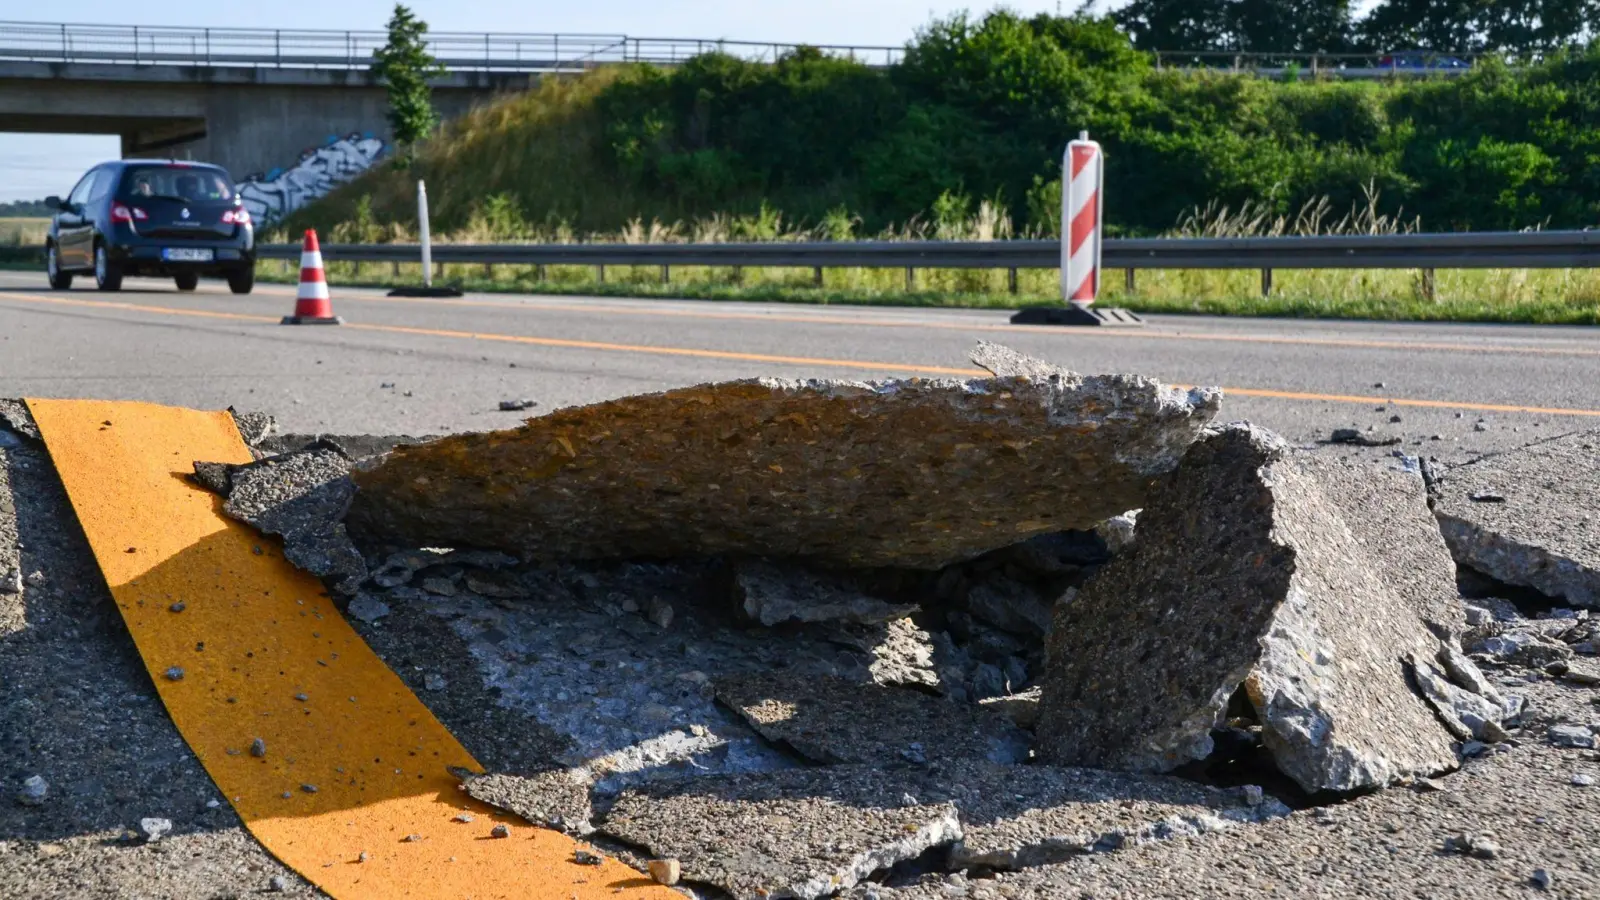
x,y
792,360
354,763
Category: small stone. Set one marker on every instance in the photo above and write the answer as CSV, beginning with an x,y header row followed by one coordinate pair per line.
x,y
176,607
433,681
1379,384
1427,785
213,804
1582,779
660,613
154,829
1253,795
411,839
1483,848
500,831
175,673
277,884
464,818
1371,438
34,789
301,697
11,582
443,587
1487,497
1575,736
586,858
1479,426
258,748
1541,879
385,385
35,578
309,788
1394,419
368,608
516,405
665,871
287,794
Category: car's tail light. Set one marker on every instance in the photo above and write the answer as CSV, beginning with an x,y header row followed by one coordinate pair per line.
x,y
236,217
120,213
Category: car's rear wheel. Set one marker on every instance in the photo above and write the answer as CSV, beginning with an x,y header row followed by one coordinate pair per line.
x,y
59,280
186,281
242,281
107,275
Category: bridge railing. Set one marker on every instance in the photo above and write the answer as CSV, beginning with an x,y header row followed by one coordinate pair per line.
x,y
292,48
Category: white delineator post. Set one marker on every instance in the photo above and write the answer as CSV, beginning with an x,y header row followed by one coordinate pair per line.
x,y
422,234
1083,172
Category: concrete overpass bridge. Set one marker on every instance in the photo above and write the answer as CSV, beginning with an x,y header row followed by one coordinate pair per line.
x,y
291,113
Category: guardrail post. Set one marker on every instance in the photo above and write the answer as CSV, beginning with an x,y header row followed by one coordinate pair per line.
x,y
1011,279
66,55
488,271
277,48
136,45
1266,282
1127,281
600,274
394,268
1430,287
816,276
738,274
538,273
666,274
911,279
355,268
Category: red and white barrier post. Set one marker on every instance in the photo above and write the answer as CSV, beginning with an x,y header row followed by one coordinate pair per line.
x,y
1083,172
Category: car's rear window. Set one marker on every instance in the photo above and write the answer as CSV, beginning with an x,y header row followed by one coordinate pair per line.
x,y
186,183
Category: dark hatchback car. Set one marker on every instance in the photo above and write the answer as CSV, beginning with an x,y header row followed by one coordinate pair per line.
x,y
152,217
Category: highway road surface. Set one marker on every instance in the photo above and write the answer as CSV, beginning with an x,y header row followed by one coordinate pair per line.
x,y
433,366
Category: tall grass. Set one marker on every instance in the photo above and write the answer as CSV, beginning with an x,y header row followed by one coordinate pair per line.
x,y
23,232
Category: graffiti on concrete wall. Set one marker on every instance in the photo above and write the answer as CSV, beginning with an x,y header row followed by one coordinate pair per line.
x,y
272,195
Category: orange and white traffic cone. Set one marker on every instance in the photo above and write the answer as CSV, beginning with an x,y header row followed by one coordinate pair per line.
x,y
311,303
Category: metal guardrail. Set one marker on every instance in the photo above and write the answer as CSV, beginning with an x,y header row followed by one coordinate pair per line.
x,y
284,48
1481,250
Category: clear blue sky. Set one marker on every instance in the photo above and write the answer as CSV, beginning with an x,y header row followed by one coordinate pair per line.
x,y
32,166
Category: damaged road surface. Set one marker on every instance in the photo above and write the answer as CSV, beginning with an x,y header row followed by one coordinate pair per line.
x,y
898,473
1038,635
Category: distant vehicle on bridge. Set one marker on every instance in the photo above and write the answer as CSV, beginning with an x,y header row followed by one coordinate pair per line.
x,y
151,217
1414,60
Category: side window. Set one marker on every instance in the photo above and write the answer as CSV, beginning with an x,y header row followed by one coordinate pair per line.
x,y
80,194
103,181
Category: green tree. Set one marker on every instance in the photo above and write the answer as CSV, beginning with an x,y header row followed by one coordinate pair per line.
x,y
1177,24
1461,26
404,66
1290,26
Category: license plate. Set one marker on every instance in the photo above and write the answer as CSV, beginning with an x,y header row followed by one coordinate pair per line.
x,y
188,254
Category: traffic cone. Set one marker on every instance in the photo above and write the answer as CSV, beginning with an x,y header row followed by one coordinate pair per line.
x,y
311,303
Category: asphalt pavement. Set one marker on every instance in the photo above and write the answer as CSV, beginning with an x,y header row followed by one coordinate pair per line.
x,y
432,366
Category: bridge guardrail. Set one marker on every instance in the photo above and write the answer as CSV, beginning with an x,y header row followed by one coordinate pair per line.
x,y
1478,250
304,48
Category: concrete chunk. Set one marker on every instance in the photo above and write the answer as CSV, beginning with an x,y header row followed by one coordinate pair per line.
x,y
803,834
302,496
834,720
770,593
558,798
1530,516
908,473
1247,572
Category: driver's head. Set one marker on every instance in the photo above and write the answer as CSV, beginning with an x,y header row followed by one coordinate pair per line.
x,y
142,187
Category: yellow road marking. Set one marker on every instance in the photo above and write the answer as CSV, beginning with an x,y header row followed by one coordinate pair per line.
x,y
785,360
1354,343
354,762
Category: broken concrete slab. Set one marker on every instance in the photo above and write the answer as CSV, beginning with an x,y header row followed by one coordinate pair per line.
x,y
902,653
556,798
770,593
795,470
1530,516
254,427
834,721
1246,572
803,834
1011,606
302,496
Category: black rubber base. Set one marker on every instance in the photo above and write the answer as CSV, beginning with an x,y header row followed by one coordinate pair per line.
x,y
312,320
426,292
1071,314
